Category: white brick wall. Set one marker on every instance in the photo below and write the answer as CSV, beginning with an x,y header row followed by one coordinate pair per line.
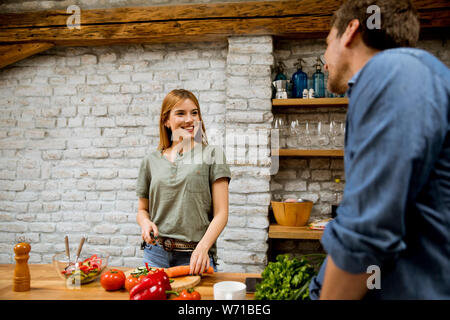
x,y
75,124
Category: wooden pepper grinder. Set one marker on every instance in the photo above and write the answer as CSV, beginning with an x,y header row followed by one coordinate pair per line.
x,y
21,280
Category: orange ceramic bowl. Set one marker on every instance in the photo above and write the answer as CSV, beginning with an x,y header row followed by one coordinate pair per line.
x,y
294,214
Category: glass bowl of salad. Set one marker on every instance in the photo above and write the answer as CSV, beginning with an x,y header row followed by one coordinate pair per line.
x,y
85,270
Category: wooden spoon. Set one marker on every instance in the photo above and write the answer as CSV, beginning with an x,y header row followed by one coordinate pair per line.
x,y
79,249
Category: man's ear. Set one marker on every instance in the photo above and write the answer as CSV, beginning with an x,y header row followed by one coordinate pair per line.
x,y
351,33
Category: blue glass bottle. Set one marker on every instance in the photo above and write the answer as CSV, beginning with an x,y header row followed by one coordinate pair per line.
x,y
319,81
299,81
280,71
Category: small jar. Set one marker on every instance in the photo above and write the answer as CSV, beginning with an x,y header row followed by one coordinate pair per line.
x,y
305,93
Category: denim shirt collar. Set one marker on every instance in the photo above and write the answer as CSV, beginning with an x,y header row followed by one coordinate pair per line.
x,y
351,82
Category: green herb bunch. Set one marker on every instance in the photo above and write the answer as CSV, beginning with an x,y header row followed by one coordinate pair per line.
x,y
285,279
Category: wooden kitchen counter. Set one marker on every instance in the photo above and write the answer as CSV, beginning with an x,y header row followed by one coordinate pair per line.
x,y
46,285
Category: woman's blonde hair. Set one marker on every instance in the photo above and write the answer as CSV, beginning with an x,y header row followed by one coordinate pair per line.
x,y
169,102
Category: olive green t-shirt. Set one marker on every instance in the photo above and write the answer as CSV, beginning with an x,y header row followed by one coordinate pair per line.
x,y
179,192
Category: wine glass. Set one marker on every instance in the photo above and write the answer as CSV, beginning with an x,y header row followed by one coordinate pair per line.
x,y
279,123
332,132
294,128
306,139
323,138
337,133
340,137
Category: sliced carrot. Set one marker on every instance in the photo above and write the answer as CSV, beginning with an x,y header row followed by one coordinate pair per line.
x,y
180,271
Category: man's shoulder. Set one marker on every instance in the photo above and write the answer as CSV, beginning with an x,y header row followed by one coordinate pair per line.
x,y
395,58
409,61
408,53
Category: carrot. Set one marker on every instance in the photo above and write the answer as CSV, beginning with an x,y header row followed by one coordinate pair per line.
x,y
180,271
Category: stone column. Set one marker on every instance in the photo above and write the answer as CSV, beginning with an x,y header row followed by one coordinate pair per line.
x,y
243,244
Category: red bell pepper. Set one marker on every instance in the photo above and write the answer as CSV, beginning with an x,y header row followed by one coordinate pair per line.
x,y
84,269
93,266
154,286
94,259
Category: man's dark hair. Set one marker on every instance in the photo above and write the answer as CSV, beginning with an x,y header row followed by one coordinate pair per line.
x,y
399,22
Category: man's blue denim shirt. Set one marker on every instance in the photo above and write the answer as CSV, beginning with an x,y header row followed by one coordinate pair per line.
x,y
395,213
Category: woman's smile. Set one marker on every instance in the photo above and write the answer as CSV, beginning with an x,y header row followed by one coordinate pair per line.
x,y
189,129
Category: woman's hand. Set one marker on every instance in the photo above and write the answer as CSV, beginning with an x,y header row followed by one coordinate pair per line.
x,y
199,260
147,227
143,219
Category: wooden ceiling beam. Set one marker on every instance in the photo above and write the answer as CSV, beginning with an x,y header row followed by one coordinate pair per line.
x,y
198,21
10,53
227,10
166,31
185,23
170,23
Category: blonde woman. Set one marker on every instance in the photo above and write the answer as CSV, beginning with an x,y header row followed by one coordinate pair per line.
x,y
183,190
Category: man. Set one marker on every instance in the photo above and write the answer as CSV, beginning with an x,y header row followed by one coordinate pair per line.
x,y
394,219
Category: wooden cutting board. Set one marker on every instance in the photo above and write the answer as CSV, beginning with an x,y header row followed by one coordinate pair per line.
x,y
187,282
179,283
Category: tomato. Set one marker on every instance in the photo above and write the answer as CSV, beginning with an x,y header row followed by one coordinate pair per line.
x,y
131,281
185,295
189,294
142,276
196,295
113,280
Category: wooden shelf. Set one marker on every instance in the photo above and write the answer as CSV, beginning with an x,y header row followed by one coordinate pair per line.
x,y
317,102
309,153
282,232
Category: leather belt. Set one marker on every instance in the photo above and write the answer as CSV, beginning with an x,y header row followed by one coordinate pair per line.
x,y
170,244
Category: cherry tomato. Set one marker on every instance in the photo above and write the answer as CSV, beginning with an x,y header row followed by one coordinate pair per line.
x,y
185,295
142,276
131,281
113,280
189,294
195,295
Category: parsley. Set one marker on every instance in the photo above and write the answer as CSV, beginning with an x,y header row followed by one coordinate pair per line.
x,y
285,279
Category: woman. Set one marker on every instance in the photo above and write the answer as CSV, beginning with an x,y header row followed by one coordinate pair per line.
x,y
183,190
